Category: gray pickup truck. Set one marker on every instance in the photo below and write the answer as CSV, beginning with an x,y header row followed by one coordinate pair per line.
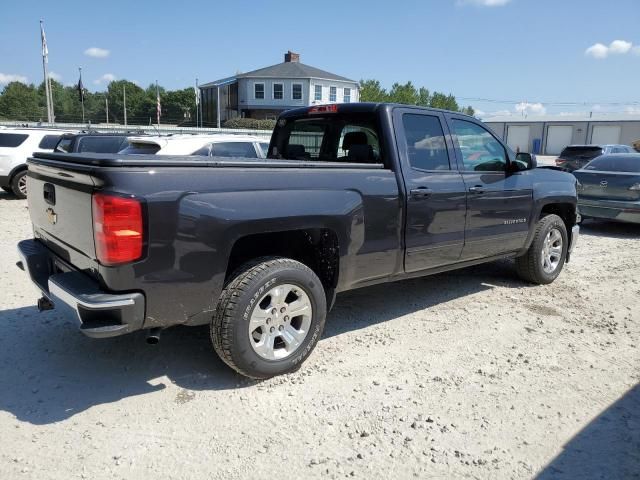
x,y
350,195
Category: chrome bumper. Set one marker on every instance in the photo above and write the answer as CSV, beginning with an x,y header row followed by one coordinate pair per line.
x,y
101,314
575,233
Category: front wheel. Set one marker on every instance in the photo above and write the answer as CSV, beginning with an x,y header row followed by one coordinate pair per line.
x,y
546,256
269,318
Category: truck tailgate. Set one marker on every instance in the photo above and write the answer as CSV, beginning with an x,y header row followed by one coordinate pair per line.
x,y
60,207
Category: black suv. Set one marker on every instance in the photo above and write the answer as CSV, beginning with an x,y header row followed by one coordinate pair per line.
x,y
96,142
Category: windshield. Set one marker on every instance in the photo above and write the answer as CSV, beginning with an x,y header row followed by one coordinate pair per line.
x,y
615,163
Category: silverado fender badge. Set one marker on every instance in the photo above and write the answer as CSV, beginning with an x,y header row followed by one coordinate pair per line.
x,y
52,216
515,220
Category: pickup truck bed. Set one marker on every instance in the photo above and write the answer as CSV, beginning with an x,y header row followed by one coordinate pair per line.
x,y
351,196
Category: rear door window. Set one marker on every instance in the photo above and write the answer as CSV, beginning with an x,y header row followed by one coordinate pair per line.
x,y
64,145
12,140
351,138
233,149
425,142
49,142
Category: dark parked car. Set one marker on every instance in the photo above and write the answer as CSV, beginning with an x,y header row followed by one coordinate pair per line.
x,y
609,188
95,142
351,195
575,157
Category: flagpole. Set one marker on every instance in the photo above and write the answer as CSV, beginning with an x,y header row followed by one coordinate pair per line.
x,y
124,100
157,104
81,88
197,105
45,54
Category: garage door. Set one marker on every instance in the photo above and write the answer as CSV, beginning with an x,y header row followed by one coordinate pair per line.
x,y
558,137
518,138
605,134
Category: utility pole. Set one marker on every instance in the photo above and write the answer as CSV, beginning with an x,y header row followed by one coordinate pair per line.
x,y
124,100
106,108
218,106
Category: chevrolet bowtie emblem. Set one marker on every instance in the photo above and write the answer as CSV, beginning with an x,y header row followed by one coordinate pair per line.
x,y
52,216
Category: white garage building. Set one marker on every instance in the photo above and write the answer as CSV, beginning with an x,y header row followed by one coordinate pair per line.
x,y
548,135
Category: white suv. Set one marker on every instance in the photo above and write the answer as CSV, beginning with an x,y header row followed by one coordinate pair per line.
x,y
16,145
215,145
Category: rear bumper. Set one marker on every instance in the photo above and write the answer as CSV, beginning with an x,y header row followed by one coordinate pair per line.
x,y
101,314
610,210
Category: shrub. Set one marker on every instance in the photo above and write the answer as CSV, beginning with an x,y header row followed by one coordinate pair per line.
x,y
250,124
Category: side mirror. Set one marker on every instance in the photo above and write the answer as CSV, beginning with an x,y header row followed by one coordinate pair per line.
x,y
528,159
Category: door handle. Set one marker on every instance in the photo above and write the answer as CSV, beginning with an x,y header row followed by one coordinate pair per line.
x,y
421,192
476,189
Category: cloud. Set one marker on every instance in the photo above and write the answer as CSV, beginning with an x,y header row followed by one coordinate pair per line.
x,y
632,110
483,3
106,78
617,47
9,77
97,52
530,108
55,76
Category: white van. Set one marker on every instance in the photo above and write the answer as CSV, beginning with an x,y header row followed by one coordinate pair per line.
x,y
16,145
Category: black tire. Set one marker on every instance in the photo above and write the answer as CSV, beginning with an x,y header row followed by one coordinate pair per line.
x,y
530,265
230,324
17,179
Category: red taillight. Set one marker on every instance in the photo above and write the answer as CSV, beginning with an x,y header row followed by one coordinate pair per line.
x,y
117,229
559,161
324,109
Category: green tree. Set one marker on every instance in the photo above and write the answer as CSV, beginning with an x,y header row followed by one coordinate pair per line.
x,y
371,91
21,102
469,110
179,105
406,94
446,102
135,101
424,98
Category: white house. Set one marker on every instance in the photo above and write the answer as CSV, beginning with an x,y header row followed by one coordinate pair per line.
x,y
266,92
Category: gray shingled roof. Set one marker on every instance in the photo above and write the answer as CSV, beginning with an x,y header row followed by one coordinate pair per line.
x,y
292,70
284,70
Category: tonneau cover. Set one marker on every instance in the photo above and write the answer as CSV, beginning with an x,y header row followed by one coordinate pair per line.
x,y
119,160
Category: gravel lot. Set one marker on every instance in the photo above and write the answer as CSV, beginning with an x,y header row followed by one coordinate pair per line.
x,y
471,374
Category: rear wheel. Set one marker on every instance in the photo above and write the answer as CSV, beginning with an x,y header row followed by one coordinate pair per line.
x,y
19,184
545,258
269,318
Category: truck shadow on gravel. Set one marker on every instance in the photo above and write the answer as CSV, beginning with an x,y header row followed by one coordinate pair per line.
x,y
619,230
50,372
607,448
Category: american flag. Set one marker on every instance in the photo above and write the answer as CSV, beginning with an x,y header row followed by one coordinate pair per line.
x,y
43,38
158,106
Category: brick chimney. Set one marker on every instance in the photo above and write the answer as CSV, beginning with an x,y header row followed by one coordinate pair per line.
x,y
291,57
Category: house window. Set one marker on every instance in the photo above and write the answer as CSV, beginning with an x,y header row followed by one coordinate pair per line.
x,y
318,92
296,91
258,91
278,91
333,94
347,95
